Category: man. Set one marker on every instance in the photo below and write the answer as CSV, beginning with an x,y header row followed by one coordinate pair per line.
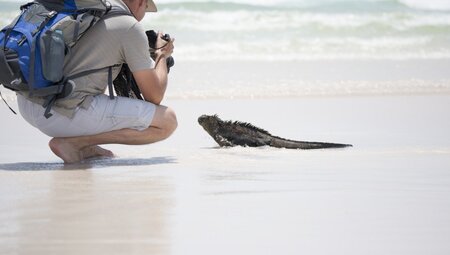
x,y
89,118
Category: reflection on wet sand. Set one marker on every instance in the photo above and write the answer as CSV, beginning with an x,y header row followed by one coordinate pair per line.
x,y
81,212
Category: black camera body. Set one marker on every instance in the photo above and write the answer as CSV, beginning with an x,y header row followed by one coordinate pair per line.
x,y
124,84
152,38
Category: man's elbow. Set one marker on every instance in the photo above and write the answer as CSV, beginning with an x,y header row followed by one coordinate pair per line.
x,y
155,99
158,101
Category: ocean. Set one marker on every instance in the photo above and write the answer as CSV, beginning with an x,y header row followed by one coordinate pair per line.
x,y
282,32
299,29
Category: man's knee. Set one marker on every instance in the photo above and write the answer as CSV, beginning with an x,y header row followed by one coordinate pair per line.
x,y
171,122
165,119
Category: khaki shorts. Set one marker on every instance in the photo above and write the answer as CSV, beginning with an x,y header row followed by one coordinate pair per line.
x,y
103,115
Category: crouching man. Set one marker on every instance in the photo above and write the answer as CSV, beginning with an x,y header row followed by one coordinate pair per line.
x,y
88,118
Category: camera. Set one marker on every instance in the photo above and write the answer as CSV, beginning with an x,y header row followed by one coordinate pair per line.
x,y
124,84
152,38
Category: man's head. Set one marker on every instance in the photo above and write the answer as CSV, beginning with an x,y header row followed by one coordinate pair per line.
x,y
140,7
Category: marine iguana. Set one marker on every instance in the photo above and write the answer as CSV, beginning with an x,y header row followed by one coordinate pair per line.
x,y
229,133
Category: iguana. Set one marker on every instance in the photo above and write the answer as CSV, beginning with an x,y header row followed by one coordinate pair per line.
x,y
229,133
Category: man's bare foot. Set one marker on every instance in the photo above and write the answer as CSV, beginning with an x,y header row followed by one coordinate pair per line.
x,y
66,150
95,151
70,151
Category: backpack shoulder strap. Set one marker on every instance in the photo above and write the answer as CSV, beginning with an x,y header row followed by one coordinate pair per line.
x,y
115,11
87,72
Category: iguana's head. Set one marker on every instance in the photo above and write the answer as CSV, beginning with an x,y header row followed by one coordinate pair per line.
x,y
210,123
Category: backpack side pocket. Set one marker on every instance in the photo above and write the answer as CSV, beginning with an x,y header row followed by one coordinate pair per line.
x,y
52,48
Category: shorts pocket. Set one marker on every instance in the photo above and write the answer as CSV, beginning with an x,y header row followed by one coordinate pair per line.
x,y
101,107
128,113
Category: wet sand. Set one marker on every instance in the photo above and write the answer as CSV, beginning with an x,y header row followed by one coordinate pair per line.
x,y
386,195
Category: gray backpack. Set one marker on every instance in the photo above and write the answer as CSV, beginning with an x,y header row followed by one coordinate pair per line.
x,y
34,46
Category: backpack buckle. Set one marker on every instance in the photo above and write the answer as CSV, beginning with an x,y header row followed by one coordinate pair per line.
x,y
16,82
22,40
51,14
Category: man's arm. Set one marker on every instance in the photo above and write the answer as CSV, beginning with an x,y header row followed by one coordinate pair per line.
x,y
153,82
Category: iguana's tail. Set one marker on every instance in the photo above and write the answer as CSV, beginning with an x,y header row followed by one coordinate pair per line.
x,y
290,144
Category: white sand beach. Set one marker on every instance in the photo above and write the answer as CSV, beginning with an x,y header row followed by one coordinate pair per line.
x,y
386,195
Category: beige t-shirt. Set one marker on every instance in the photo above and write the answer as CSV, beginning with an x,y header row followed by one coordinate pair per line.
x,y
112,41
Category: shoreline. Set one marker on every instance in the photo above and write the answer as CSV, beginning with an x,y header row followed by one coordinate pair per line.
x,y
408,121
194,80
308,78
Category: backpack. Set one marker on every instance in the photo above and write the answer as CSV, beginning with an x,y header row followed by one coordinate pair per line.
x,y
34,46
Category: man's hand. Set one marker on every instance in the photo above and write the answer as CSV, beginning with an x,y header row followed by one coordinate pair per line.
x,y
167,46
153,82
